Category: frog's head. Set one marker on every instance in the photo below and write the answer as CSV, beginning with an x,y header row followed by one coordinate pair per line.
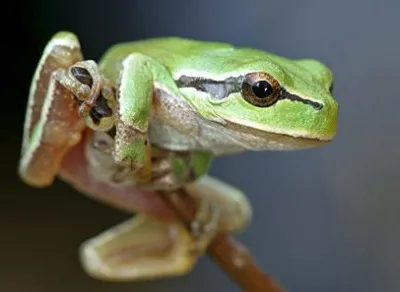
x,y
276,99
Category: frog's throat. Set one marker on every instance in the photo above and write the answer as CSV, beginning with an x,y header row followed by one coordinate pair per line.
x,y
258,140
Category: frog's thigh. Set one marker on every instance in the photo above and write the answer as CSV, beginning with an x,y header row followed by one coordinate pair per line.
x,y
52,125
138,249
234,209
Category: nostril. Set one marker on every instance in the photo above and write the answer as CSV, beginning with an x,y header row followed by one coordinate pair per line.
x,y
331,88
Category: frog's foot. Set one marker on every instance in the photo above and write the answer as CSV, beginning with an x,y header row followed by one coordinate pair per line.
x,y
234,209
170,170
94,94
205,224
121,174
221,207
139,249
62,66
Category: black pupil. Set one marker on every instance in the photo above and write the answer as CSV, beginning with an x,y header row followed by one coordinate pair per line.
x,y
262,89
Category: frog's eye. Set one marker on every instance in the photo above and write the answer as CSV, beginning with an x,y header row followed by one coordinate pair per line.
x,y
260,89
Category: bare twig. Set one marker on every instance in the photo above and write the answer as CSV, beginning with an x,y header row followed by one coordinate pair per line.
x,y
229,254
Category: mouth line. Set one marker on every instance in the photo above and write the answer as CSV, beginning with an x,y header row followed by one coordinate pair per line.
x,y
263,132
326,140
256,139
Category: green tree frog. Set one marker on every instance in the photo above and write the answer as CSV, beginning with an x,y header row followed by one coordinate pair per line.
x,y
150,116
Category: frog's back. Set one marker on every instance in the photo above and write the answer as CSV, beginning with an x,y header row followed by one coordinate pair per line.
x,y
172,52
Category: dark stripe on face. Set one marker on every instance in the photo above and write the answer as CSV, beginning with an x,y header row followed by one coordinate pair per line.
x,y
293,97
222,89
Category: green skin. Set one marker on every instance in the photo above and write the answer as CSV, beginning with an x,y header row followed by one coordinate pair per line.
x,y
175,104
158,63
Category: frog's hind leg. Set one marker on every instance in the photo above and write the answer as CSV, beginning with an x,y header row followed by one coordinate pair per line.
x,y
52,125
139,249
218,204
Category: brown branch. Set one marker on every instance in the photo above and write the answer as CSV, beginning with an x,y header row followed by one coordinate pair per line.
x,y
228,253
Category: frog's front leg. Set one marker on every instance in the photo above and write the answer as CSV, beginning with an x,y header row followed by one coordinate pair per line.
x,y
132,148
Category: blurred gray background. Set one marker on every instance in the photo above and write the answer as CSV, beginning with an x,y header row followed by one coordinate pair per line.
x,y
324,220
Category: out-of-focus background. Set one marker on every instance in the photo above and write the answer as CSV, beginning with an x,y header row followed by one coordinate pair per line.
x,y
324,220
